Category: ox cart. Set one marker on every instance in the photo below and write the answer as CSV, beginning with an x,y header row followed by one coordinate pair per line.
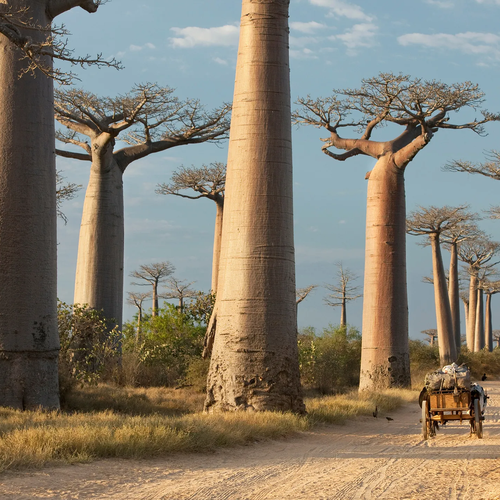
x,y
449,396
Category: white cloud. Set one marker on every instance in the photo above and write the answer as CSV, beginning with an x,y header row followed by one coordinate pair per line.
x,y
360,35
495,2
220,61
192,36
302,54
341,8
485,44
302,41
138,48
307,28
441,3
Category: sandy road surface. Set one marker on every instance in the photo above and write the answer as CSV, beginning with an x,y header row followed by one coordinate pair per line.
x,y
370,458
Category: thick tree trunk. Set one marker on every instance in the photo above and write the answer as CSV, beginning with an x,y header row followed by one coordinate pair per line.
x,y
29,342
385,352
156,306
217,244
99,269
479,327
446,338
254,364
343,313
488,327
471,317
454,295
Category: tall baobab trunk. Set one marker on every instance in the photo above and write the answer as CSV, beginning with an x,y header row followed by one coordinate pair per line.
x,y
488,328
29,342
217,244
99,268
446,338
385,352
254,363
343,313
454,295
471,317
479,326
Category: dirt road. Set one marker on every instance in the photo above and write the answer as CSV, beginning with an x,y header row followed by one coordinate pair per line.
x,y
371,458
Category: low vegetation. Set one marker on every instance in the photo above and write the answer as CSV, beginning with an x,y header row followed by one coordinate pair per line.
x,y
114,422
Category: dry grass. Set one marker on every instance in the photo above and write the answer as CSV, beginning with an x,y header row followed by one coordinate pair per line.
x,y
150,422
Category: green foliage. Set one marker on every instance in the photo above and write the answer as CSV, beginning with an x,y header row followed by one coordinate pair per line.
x,y
330,362
88,347
423,359
482,362
200,309
162,353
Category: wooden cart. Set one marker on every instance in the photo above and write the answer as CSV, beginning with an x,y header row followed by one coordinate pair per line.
x,y
445,405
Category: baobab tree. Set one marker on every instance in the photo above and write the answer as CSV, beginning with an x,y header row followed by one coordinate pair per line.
x,y
432,222
496,338
476,254
343,292
177,289
301,294
421,108
29,341
209,182
451,238
254,363
64,192
490,288
153,275
432,334
150,119
137,299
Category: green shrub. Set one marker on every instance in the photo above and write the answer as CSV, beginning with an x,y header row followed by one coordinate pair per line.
x,y
330,362
423,359
89,349
481,362
167,345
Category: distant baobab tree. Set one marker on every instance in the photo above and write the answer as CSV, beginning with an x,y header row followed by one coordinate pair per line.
x,y
178,289
29,341
477,255
343,292
254,364
496,338
137,299
432,222
150,119
302,293
421,108
432,334
490,288
153,275
209,182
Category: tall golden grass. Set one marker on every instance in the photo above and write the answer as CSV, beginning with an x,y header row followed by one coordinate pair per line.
x,y
141,423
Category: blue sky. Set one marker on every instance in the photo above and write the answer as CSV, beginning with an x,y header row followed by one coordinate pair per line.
x,y
192,47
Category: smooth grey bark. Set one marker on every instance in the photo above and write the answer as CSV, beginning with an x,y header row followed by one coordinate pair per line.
x,y
454,295
254,363
471,318
446,338
29,342
219,217
479,325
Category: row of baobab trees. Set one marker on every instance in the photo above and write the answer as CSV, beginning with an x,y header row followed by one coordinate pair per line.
x,y
251,337
456,229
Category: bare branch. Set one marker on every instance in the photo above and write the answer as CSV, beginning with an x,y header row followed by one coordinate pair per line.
x,y
302,293
64,192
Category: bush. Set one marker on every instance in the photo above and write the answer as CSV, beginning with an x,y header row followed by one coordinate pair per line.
x,y
330,362
89,349
423,359
481,362
167,345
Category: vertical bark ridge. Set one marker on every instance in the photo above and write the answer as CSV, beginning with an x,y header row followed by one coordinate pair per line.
x,y
479,325
384,357
254,364
454,295
29,340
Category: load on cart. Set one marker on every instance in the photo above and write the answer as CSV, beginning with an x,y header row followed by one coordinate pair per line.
x,y
448,394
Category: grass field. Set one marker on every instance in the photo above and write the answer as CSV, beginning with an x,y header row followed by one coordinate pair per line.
x,y
107,421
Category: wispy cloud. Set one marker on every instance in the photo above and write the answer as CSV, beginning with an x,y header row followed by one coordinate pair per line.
x,y
340,8
359,36
220,61
193,36
494,2
307,28
481,44
138,48
443,4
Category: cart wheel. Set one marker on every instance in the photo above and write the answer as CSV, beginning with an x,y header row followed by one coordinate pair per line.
x,y
478,423
425,416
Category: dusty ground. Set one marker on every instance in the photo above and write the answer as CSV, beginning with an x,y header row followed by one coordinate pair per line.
x,y
371,458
